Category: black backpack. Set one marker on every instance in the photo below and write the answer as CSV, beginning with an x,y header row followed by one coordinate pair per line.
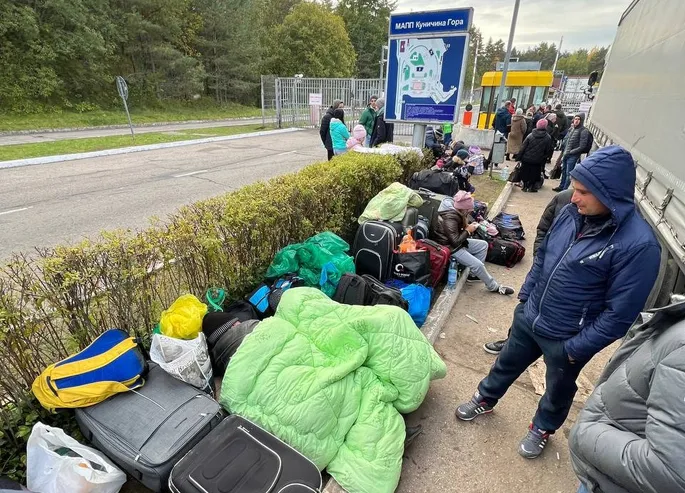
x,y
591,141
367,290
509,226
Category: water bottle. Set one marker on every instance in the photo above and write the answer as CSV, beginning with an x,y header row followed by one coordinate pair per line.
x,y
452,274
504,174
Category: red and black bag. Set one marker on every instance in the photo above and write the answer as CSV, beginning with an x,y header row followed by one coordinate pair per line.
x,y
439,259
505,252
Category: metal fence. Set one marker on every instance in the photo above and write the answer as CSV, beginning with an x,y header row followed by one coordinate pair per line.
x,y
285,100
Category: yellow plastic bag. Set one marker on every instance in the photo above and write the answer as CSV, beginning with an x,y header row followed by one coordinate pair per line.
x,y
183,319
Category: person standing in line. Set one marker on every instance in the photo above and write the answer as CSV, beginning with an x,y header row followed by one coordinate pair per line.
x,y
502,120
552,210
339,132
512,108
578,143
324,128
382,130
539,114
630,436
589,281
562,122
533,154
368,118
516,133
454,231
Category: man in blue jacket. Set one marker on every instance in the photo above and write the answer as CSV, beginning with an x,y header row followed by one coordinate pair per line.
x,y
590,279
502,121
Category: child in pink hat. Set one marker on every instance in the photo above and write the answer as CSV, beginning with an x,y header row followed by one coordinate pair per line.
x,y
357,138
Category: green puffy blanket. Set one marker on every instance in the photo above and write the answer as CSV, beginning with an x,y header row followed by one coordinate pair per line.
x,y
331,380
390,204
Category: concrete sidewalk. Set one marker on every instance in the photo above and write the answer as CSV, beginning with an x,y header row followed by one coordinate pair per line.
x,y
481,456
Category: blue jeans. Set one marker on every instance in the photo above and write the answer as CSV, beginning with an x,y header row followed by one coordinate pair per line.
x,y
338,152
521,350
568,163
582,489
367,141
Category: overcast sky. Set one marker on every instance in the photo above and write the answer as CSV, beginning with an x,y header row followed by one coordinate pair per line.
x,y
583,23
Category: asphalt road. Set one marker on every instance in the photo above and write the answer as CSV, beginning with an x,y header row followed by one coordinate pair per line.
x,y
50,204
34,138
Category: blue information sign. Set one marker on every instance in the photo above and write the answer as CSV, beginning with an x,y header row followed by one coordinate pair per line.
x,y
426,63
438,21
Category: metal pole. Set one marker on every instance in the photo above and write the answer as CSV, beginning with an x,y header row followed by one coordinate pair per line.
x,y
128,115
505,68
279,116
475,67
556,58
262,90
419,137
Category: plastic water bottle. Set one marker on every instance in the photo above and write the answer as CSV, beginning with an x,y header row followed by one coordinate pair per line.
x,y
504,173
452,274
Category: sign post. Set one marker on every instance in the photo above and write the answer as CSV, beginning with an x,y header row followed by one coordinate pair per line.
x,y
427,54
315,102
122,87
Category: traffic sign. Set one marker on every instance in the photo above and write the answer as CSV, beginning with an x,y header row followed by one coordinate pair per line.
x,y
426,65
122,87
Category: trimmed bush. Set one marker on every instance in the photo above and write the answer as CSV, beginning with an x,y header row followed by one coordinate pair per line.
x,y
56,301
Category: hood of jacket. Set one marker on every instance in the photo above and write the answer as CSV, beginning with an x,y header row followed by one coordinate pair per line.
x,y
582,120
516,118
503,111
609,174
539,133
447,205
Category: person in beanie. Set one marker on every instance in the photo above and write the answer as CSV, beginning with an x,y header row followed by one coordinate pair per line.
x,y
357,138
454,230
516,133
590,279
535,151
325,127
382,131
368,118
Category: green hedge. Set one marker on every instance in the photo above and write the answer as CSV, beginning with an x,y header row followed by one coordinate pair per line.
x,y
55,302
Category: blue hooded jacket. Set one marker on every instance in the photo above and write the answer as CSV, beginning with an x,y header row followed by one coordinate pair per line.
x,y
588,289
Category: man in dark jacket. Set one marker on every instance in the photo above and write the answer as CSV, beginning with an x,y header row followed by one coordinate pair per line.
x,y
502,121
382,130
589,281
324,128
578,143
432,141
562,122
535,150
551,212
630,437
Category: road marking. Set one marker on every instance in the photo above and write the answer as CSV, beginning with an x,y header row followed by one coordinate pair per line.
x,y
16,210
286,153
191,173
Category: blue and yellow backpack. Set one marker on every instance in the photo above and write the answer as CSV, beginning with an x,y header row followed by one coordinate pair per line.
x,y
113,363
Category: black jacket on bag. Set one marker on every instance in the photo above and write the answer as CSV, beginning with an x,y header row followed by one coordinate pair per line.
x,y
537,148
552,210
324,129
382,131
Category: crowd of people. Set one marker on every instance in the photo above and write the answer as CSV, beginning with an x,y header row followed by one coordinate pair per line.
x,y
371,131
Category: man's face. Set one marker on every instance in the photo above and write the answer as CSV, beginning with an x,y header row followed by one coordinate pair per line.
x,y
373,102
576,121
341,105
588,204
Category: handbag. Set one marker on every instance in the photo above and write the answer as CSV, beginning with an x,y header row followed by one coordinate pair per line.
x,y
515,175
412,267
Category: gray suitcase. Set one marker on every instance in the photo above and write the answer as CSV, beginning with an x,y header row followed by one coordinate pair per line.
x,y
147,431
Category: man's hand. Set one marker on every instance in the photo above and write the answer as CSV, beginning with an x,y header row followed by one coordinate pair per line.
x,y
472,227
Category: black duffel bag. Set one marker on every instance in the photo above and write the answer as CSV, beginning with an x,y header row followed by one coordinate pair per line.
x,y
442,182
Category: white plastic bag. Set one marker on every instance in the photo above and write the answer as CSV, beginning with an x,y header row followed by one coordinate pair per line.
x,y
56,463
187,360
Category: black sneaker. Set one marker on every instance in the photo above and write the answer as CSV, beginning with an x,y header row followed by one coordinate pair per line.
x,y
494,347
504,290
556,189
473,408
533,443
472,279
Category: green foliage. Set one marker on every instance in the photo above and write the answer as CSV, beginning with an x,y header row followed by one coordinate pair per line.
x,y
312,41
367,25
57,301
72,146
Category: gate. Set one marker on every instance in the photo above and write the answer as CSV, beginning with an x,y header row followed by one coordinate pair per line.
x,y
285,100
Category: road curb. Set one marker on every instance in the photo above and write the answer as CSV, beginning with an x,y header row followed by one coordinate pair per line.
x,y
441,309
128,150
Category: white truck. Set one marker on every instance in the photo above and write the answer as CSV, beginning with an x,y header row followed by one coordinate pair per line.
x,y
641,106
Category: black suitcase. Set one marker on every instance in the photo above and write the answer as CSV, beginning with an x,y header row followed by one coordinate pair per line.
x,y
239,456
429,209
373,248
148,430
410,219
352,290
224,335
442,182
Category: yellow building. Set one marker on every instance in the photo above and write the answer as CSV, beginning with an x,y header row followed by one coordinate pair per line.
x,y
528,87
